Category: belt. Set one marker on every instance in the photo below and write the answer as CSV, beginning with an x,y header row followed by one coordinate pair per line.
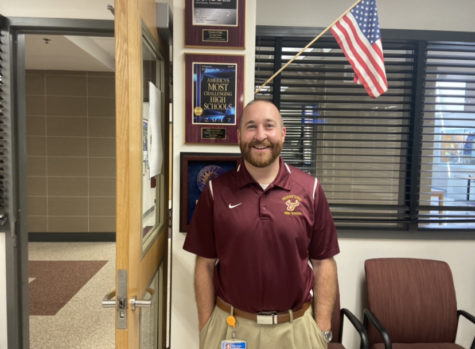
x,y
263,318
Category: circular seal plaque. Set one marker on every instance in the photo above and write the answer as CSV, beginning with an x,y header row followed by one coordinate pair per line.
x,y
206,174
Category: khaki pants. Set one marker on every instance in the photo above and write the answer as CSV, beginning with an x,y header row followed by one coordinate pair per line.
x,y
301,333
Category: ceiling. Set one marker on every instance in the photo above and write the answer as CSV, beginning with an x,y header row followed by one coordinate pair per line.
x,y
80,53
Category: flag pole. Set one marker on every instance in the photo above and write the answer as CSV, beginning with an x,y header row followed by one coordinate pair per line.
x,y
306,47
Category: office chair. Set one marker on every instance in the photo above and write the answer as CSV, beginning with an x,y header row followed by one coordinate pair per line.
x,y
411,304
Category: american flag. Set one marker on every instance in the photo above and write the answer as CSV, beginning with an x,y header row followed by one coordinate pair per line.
x,y
359,37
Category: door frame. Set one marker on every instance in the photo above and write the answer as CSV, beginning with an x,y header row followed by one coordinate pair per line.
x,y
17,235
16,293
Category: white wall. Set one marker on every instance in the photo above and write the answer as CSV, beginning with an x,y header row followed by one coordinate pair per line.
x,y
3,293
455,15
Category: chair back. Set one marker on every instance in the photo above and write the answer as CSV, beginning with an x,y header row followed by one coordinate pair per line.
x,y
414,299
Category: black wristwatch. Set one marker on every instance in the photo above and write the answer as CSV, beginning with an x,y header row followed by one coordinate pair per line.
x,y
328,336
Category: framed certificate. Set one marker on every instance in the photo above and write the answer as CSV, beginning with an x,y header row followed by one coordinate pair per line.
x,y
213,97
196,171
214,23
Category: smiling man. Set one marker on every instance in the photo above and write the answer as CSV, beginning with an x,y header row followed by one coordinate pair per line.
x,y
261,137
264,237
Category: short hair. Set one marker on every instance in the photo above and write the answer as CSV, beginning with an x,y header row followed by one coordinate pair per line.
x,y
255,101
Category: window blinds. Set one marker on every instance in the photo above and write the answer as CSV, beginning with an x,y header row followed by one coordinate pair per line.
x,y
369,154
447,186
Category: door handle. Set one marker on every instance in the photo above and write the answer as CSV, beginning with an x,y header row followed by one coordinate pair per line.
x,y
120,301
138,303
107,301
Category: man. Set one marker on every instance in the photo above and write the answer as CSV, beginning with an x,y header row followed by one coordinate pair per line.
x,y
256,231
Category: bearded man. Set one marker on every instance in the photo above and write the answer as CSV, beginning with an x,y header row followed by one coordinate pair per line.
x,y
264,237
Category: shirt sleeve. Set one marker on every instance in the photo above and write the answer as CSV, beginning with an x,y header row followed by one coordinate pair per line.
x,y
200,239
324,242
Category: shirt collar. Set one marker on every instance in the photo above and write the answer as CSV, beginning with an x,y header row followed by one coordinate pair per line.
x,y
282,180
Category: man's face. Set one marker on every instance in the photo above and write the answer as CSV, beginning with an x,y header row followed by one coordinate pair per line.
x,y
261,135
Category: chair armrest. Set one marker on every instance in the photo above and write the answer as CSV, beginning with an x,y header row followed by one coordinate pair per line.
x,y
364,344
469,317
368,315
466,315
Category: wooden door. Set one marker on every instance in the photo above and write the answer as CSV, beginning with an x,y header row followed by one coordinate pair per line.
x,y
142,191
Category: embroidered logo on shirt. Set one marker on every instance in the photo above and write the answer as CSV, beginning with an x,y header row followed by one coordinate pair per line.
x,y
233,206
291,203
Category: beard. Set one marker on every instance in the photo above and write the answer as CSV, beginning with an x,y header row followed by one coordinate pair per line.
x,y
261,159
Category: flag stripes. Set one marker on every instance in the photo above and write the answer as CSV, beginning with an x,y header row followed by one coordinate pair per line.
x,y
365,57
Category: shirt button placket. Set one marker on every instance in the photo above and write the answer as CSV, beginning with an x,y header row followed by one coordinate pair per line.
x,y
263,210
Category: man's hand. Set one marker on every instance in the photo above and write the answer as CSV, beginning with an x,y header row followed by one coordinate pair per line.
x,y
204,288
324,291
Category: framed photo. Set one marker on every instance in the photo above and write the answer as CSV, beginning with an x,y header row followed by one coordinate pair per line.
x,y
215,23
196,171
213,97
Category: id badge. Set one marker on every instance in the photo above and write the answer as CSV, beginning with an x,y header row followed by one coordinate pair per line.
x,y
233,344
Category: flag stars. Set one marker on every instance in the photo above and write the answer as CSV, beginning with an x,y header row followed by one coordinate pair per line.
x,y
366,17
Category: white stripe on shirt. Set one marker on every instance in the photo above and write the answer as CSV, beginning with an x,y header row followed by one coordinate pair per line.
x,y
315,188
288,168
211,188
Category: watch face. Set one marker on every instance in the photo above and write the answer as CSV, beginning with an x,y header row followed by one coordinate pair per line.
x,y
328,336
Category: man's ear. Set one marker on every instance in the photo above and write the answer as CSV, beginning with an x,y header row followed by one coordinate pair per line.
x,y
284,132
238,133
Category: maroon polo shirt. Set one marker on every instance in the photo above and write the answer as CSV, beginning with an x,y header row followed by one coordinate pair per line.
x,y
263,239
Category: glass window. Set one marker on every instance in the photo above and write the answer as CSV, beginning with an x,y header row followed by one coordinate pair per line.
x,y
448,164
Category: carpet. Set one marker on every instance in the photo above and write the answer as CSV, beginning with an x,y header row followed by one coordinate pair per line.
x,y
54,283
